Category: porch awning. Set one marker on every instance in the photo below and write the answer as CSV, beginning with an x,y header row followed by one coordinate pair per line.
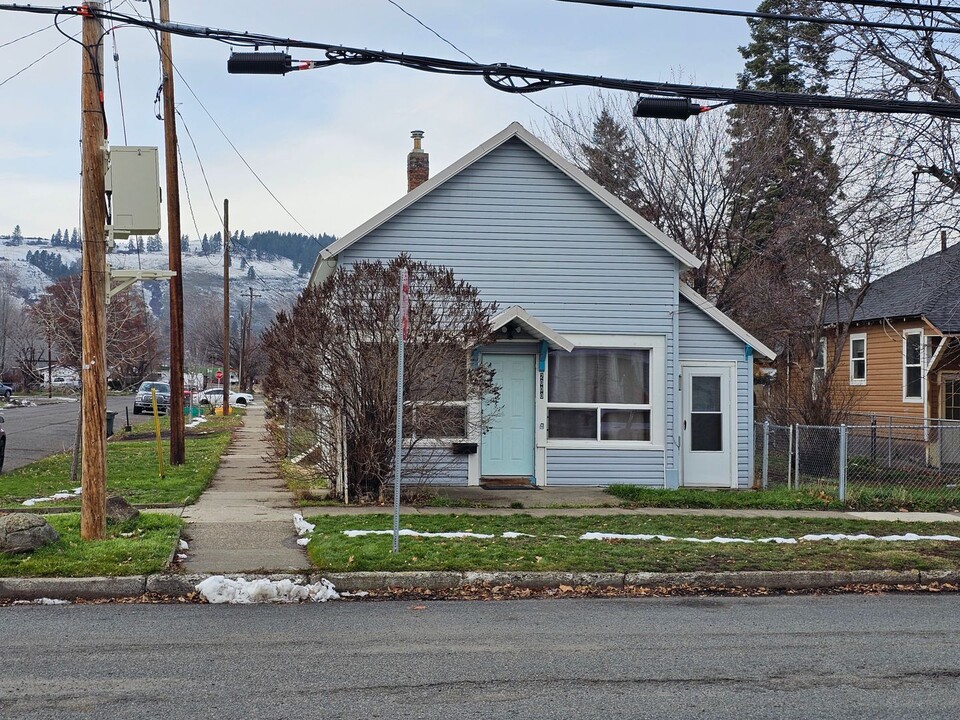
x,y
532,325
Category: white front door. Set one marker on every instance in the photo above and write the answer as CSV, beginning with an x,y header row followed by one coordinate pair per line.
x,y
709,425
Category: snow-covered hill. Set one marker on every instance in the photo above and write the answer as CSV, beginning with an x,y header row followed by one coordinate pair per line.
x,y
274,279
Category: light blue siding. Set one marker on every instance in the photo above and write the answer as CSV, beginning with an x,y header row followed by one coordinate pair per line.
x,y
604,467
702,338
524,233
434,466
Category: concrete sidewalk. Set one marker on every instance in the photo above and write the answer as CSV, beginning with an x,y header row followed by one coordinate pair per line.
x,y
244,521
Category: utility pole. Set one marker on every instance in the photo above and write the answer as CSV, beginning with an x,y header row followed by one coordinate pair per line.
x,y
226,307
93,293
175,411
245,336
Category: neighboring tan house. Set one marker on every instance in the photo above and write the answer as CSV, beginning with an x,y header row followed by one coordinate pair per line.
x,y
611,369
902,355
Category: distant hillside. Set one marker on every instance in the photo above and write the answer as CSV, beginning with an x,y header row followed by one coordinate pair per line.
x,y
274,265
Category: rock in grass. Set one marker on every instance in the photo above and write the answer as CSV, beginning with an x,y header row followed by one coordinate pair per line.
x,y
25,532
119,510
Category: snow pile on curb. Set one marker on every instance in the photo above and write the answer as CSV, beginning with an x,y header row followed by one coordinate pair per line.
x,y
240,591
42,601
62,495
302,526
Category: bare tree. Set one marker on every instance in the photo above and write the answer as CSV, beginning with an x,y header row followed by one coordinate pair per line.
x,y
907,64
337,349
132,342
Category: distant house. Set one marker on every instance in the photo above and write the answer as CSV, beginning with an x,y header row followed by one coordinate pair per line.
x,y
902,356
611,369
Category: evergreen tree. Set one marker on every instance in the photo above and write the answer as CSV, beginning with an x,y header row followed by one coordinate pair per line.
x,y
131,248
56,240
17,237
782,161
75,239
251,273
154,244
184,243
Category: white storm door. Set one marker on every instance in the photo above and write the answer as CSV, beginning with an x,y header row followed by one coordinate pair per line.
x,y
709,425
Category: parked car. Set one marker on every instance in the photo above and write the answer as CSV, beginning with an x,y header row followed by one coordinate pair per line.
x,y
70,383
214,397
6,390
144,399
3,443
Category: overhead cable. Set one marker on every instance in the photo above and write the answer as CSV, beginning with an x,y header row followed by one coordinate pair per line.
x,y
758,15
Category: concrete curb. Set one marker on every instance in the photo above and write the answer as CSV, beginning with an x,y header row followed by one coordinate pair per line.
x,y
174,585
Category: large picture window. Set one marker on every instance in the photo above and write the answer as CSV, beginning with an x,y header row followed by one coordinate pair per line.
x,y
599,394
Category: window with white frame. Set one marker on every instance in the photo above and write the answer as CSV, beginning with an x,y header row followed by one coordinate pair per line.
x,y
820,362
600,394
913,366
858,359
435,406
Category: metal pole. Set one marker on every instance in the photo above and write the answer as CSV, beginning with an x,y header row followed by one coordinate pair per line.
x,y
93,286
401,328
873,438
843,463
289,430
796,458
789,457
766,452
890,441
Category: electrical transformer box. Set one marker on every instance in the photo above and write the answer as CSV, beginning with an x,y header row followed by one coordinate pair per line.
x,y
133,181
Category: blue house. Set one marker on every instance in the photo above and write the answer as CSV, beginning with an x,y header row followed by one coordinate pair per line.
x,y
611,369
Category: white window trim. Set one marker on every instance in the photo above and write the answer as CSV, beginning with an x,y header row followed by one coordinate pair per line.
x,y
819,371
923,373
656,344
853,338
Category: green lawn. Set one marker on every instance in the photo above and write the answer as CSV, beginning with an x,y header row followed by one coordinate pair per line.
x,y
811,497
137,547
330,550
132,471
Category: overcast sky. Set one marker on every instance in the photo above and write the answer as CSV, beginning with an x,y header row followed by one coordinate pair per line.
x,y
331,144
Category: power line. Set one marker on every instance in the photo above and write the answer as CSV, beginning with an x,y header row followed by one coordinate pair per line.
x,y
24,37
518,79
27,67
756,14
894,5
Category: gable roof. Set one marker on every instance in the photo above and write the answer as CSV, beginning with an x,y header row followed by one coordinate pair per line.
x,y
532,325
713,312
326,260
928,288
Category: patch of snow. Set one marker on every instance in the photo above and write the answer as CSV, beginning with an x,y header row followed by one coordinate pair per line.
x,y
358,593
511,535
837,537
181,556
302,526
303,541
413,533
220,589
183,545
62,495
42,601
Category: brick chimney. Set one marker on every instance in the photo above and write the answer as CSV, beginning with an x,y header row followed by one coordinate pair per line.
x,y
418,163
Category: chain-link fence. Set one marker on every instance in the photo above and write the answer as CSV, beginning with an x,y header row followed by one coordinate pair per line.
x,y
300,434
881,463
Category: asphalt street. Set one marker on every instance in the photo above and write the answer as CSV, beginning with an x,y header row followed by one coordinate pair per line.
x,y
36,432
850,656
